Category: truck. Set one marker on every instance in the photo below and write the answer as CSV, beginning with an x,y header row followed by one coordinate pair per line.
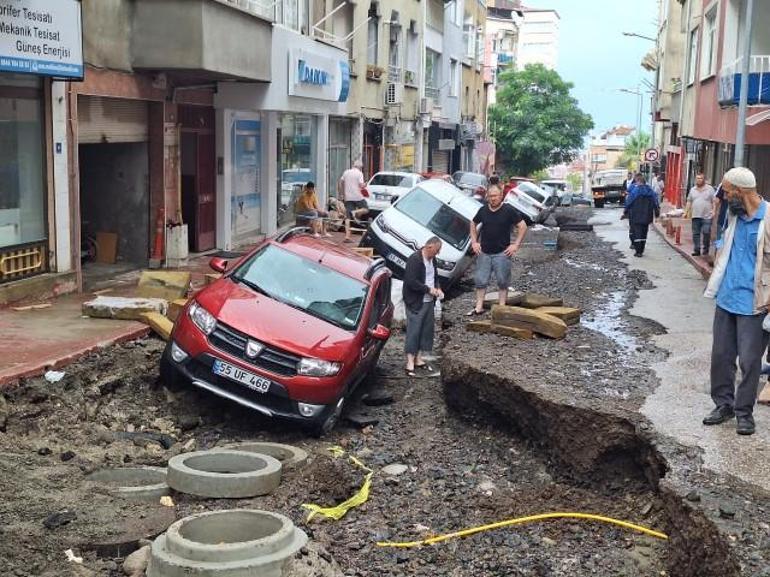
x,y
609,186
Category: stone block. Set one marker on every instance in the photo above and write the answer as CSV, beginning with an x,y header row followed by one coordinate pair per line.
x,y
165,284
124,308
159,323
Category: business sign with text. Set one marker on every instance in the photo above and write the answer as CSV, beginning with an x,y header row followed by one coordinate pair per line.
x,y
42,37
315,76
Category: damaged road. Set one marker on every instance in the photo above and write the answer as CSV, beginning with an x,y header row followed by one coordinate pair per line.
x,y
514,428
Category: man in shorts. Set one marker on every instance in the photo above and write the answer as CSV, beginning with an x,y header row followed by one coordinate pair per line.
x,y
352,183
495,248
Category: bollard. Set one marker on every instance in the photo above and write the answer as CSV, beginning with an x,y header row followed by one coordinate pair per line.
x,y
678,239
669,227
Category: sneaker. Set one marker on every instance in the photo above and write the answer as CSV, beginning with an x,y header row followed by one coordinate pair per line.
x,y
638,254
695,253
719,415
745,425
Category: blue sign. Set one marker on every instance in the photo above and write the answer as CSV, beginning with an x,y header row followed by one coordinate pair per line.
x,y
311,75
345,81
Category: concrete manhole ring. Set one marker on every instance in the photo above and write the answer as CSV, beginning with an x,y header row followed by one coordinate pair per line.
x,y
291,457
145,483
232,543
224,474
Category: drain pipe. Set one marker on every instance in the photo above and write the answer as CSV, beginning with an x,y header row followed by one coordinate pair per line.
x,y
740,133
683,90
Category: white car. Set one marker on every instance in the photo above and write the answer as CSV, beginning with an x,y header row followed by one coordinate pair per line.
x,y
532,201
385,187
432,208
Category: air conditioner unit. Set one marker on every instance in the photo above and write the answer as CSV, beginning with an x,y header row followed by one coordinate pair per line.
x,y
394,94
426,105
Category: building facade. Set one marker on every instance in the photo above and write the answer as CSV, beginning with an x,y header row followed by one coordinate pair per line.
x,y
538,38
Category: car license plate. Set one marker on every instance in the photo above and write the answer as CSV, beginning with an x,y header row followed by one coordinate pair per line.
x,y
246,378
394,258
381,196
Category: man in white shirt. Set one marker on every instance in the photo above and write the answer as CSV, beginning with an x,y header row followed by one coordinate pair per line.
x,y
700,203
351,185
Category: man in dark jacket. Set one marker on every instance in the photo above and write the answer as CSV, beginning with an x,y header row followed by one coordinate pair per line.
x,y
421,289
642,206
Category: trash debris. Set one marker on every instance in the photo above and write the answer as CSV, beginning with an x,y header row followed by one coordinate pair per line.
x,y
166,501
54,376
59,519
362,496
72,557
32,307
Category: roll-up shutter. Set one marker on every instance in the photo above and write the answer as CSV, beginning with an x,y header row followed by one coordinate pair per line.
x,y
111,120
441,161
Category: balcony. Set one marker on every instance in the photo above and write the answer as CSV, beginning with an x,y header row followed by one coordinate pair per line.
x,y
432,92
203,40
729,91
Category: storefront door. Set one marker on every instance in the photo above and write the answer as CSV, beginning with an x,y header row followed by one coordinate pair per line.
x,y
296,141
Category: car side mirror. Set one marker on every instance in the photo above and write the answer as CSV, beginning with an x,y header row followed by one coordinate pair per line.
x,y
380,333
218,264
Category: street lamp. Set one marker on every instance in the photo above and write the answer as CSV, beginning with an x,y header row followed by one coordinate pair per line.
x,y
642,36
638,93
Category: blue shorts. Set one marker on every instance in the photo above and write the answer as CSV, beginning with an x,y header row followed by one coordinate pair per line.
x,y
486,264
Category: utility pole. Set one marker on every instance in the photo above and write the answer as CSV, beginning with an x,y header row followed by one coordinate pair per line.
x,y
743,102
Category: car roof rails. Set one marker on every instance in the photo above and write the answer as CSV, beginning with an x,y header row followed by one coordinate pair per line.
x,y
287,234
376,265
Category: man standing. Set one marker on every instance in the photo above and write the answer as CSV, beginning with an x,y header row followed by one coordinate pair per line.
x,y
352,184
495,249
420,291
700,203
742,296
641,208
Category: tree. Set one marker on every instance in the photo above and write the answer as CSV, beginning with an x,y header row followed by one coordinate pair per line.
x,y
575,179
636,144
536,122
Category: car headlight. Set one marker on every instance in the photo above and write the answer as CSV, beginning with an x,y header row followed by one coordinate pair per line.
x,y
445,264
317,368
202,318
380,221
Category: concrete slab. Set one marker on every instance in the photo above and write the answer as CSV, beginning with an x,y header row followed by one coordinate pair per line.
x,y
35,340
682,399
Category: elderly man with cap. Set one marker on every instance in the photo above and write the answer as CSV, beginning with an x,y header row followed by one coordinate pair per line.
x,y
352,185
741,285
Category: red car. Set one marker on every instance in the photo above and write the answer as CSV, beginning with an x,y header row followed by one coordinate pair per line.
x,y
289,330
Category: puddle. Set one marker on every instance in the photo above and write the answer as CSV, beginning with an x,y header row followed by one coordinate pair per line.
x,y
582,265
606,321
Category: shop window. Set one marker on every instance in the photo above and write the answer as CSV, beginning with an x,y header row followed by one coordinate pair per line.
x,y
22,185
297,162
340,141
373,35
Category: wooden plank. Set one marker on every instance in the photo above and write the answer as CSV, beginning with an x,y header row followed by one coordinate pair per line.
x,y
569,315
479,326
175,308
514,299
159,324
528,319
534,301
165,284
106,247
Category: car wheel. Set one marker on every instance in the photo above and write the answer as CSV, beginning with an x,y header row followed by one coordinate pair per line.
x,y
330,419
169,374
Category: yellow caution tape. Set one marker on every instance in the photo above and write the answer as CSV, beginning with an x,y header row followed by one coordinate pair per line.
x,y
521,520
362,495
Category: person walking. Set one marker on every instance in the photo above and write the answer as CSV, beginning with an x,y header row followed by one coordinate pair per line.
x,y
701,203
420,291
352,185
495,249
742,297
641,208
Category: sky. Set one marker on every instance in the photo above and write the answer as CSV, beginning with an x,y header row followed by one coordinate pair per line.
x,y
596,57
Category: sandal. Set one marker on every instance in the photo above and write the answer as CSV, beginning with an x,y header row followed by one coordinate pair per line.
x,y
474,313
410,373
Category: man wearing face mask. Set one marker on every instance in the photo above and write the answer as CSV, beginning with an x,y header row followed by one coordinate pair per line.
x,y
742,291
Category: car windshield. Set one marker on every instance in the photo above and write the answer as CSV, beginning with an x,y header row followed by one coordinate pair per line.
x,y
437,217
531,191
391,180
473,179
296,176
305,285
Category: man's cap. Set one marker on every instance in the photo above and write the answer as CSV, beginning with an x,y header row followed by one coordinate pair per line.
x,y
741,177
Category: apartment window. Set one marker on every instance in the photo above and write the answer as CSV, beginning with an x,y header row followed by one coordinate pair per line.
x,y
342,24
453,77
709,55
373,35
454,13
394,53
432,73
436,15
469,38
693,56
287,12
412,56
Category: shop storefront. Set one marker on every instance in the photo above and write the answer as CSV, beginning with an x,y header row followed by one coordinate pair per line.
x,y
301,134
27,216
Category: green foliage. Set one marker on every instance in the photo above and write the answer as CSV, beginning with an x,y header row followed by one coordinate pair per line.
x,y
636,144
536,122
575,179
540,175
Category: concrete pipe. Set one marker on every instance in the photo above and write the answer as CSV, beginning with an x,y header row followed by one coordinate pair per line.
x,y
143,483
237,543
290,457
224,474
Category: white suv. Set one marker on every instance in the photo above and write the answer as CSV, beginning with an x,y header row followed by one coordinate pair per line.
x,y
385,187
531,201
432,208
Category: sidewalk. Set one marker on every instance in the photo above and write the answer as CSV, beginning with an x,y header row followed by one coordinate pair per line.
x,y
703,264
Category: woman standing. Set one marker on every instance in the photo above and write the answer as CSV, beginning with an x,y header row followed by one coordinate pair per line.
x,y
421,289
307,209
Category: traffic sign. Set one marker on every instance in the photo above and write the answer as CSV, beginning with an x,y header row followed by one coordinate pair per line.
x,y
651,155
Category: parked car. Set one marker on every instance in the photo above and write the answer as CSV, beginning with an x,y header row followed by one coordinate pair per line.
x,y
575,199
385,187
556,186
473,184
433,207
289,331
531,201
